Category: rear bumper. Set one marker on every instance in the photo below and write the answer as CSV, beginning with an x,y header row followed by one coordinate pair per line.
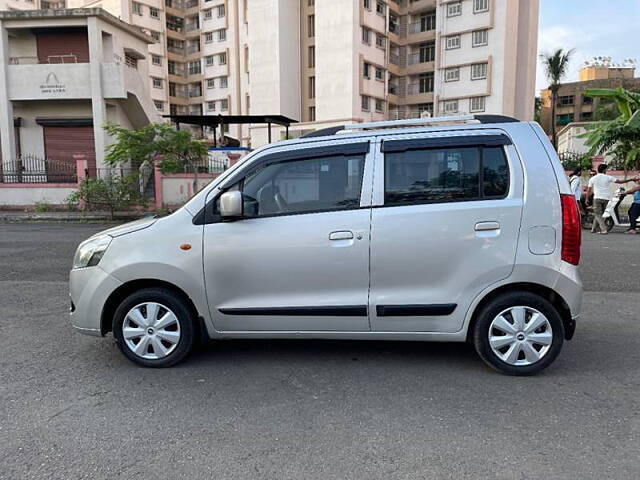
x,y
89,289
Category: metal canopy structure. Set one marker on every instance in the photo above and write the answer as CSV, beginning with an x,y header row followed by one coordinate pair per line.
x,y
214,121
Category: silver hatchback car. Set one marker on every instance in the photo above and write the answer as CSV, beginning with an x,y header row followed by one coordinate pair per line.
x,y
442,229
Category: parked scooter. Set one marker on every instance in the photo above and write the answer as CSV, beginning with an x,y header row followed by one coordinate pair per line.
x,y
611,213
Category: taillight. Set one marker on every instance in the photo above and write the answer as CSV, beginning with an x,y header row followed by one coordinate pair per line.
x,y
571,230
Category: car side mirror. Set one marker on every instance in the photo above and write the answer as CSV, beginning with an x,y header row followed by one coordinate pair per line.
x,y
231,204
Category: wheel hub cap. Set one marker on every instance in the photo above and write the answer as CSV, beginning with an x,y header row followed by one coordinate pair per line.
x,y
151,330
520,336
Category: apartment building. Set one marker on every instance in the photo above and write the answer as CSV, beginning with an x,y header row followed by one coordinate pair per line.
x,y
328,62
32,4
573,106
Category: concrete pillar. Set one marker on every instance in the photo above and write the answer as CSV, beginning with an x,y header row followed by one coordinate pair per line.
x,y
7,133
98,106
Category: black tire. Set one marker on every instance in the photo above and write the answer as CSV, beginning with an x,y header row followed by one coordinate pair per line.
x,y
608,222
180,308
493,308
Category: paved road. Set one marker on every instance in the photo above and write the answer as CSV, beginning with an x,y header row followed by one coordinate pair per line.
x,y
72,407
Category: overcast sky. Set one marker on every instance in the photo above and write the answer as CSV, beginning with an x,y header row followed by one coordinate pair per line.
x,y
593,27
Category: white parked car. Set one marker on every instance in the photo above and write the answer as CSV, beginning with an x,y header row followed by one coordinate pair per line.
x,y
441,229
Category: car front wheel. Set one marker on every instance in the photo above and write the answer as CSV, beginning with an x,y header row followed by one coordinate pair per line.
x,y
154,327
518,333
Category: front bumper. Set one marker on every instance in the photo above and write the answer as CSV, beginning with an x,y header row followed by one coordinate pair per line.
x,y
89,289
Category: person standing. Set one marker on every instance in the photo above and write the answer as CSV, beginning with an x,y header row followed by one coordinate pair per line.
x,y
600,184
634,210
576,187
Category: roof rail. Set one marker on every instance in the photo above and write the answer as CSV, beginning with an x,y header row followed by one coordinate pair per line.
x,y
412,122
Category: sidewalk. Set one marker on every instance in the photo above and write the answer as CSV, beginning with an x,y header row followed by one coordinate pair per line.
x,y
9,216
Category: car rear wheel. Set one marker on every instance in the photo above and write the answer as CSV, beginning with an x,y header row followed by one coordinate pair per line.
x,y
154,327
518,333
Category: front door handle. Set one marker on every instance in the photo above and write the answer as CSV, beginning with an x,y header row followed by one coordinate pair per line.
x,y
341,235
486,226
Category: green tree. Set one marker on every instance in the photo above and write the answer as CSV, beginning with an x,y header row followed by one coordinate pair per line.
x,y
174,150
115,193
555,65
621,135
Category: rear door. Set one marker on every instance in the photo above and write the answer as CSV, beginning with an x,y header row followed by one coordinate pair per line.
x,y
445,224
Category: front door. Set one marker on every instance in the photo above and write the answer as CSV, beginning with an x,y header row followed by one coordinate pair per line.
x,y
444,227
298,259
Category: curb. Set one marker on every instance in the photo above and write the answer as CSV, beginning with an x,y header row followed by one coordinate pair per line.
x,y
67,217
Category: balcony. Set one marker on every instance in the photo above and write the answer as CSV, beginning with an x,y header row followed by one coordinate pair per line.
x,y
420,88
415,6
419,32
176,49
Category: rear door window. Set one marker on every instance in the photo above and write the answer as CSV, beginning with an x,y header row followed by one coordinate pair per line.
x,y
435,175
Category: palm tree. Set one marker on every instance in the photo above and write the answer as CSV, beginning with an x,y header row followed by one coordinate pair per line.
x,y
556,65
620,136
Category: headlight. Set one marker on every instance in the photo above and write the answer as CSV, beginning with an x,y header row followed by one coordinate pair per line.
x,y
90,252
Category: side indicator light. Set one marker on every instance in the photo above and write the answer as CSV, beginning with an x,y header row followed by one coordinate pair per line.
x,y
185,246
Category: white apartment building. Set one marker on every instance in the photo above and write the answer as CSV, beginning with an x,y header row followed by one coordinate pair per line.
x,y
330,62
63,75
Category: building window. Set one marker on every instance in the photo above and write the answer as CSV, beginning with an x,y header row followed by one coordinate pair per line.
x,y
157,82
130,61
159,105
566,101
379,105
208,37
311,26
312,87
209,61
480,6
156,60
311,3
312,56
222,58
366,35
211,83
452,74
425,107
312,114
453,41
379,73
476,104
426,83
366,70
155,35
195,67
365,103
478,71
224,82
207,14
211,106
454,9
427,52
380,40
222,35
136,8
154,12
480,38
367,4
381,8
221,11
451,106
224,104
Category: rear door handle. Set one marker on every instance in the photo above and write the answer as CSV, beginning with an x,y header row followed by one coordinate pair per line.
x,y
341,235
486,226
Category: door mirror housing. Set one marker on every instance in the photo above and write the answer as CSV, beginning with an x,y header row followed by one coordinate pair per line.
x,y
231,204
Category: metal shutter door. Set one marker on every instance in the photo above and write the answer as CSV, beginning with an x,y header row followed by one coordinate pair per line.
x,y
62,143
63,47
